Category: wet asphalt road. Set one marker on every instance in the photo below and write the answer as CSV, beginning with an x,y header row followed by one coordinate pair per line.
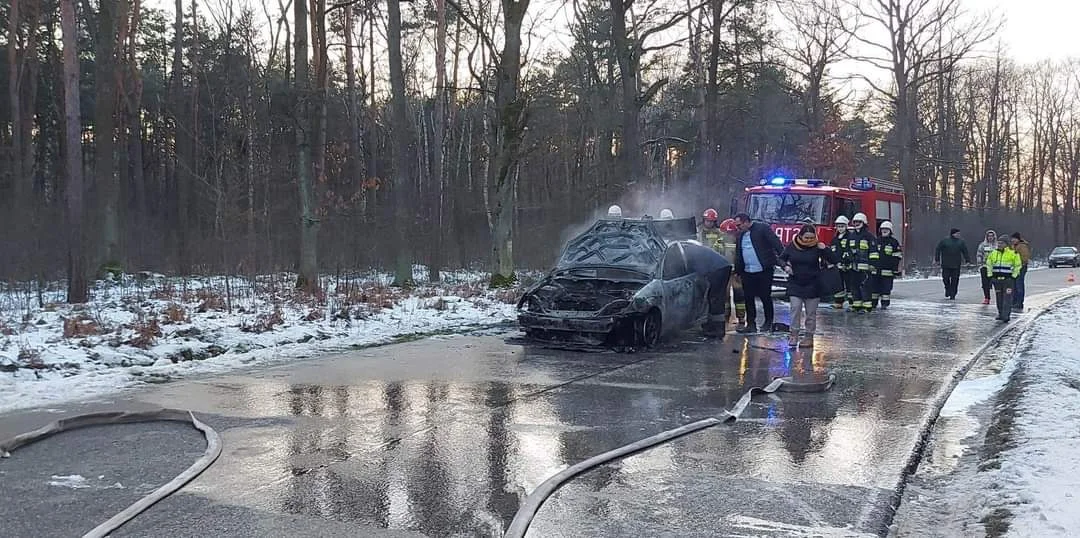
x,y
445,437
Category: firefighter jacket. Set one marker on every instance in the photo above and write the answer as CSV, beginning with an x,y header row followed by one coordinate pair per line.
x,y
889,253
861,249
839,251
1002,264
720,242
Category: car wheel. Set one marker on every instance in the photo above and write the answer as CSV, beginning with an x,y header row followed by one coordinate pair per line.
x,y
649,328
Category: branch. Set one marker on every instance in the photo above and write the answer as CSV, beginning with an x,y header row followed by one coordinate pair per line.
x,y
479,31
670,22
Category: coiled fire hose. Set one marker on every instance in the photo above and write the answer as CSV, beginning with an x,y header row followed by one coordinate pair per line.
x,y
213,450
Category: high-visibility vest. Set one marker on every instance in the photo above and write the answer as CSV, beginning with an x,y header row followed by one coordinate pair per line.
x,y
1004,263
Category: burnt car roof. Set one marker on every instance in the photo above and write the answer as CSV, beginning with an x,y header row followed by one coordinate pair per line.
x,y
634,244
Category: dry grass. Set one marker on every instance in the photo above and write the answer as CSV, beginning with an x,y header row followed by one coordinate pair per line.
x,y
266,322
174,313
209,300
81,326
31,357
147,331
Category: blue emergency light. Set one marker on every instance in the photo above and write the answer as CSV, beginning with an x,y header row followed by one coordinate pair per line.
x,y
780,181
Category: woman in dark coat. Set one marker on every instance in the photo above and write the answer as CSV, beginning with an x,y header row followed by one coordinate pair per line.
x,y
803,260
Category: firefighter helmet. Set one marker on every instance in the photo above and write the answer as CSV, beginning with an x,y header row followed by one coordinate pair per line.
x,y
886,226
859,217
728,226
710,214
614,212
841,220
666,214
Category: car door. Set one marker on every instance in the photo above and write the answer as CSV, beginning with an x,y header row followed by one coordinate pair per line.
x,y
684,293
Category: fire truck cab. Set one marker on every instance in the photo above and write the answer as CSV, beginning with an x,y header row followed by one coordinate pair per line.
x,y
787,204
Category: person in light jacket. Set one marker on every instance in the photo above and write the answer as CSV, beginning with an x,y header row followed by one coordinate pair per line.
x,y
988,245
803,260
1004,266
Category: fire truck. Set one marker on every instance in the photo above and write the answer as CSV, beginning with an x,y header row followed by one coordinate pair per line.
x,y
787,204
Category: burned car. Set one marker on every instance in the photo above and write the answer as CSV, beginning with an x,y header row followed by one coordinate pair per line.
x,y
623,283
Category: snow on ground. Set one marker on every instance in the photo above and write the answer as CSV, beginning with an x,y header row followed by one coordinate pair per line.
x,y
149,328
1039,473
1005,458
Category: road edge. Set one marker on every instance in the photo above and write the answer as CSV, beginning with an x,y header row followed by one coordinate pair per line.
x,y
929,420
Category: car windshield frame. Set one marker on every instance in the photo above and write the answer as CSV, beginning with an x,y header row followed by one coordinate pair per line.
x,y
784,207
1063,250
617,244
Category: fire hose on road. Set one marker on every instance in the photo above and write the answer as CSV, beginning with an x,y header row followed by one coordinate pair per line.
x,y
518,527
525,514
213,450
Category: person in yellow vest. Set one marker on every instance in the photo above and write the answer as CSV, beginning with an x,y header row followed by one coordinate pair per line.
x,y
1003,265
721,238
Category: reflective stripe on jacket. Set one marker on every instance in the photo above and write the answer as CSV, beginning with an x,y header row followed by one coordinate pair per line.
x,y
1004,263
862,250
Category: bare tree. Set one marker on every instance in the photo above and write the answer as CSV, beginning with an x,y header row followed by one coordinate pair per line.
x,y
77,283
308,277
924,39
817,40
402,144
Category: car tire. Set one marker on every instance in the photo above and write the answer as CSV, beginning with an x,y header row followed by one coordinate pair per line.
x,y
648,329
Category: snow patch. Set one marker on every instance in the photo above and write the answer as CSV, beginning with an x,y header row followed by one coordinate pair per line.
x,y
152,329
973,391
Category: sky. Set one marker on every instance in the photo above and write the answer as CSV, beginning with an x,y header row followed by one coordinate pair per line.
x,y
1033,30
1037,29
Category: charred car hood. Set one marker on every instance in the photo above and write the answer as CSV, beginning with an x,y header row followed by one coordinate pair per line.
x,y
622,244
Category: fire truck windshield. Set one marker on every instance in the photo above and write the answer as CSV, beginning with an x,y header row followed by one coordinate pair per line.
x,y
787,208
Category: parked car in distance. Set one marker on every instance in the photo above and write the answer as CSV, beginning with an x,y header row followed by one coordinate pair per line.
x,y
1064,256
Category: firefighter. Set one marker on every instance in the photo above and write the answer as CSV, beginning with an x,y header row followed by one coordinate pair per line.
x,y
888,265
861,249
710,228
726,246
721,238
1004,265
614,212
839,251
666,214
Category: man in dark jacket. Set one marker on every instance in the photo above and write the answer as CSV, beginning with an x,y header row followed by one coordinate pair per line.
x,y
951,253
756,251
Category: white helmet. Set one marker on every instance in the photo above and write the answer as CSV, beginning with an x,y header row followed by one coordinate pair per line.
x,y
614,212
886,226
841,220
859,217
666,214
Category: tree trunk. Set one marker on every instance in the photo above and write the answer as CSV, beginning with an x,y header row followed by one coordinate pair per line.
x,y
511,115
308,278
77,282
626,54
354,158
403,202
105,131
439,172
181,177
318,25
15,100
